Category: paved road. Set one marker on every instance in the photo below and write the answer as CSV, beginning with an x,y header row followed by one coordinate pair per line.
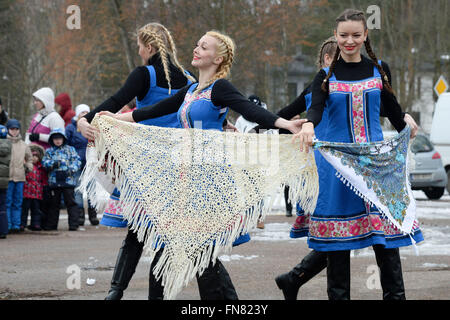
x,y
37,265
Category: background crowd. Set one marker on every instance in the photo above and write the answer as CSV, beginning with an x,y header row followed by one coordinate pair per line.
x,y
39,173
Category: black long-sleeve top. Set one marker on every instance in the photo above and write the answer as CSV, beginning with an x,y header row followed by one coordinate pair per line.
x,y
223,94
353,71
138,84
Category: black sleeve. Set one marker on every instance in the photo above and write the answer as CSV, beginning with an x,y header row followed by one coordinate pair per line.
x,y
318,99
162,108
136,85
224,94
390,106
295,108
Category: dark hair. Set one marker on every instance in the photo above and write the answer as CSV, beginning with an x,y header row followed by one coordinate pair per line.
x,y
328,47
356,15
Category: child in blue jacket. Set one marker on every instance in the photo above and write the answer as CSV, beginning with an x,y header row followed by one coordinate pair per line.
x,y
61,162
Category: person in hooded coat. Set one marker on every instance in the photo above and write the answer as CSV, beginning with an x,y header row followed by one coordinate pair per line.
x,y
62,162
45,120
65,108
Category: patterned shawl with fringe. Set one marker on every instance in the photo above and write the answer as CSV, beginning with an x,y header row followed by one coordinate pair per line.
x,y
195,190
377,172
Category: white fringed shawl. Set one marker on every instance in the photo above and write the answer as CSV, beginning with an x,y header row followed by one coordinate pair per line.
x,y
196,190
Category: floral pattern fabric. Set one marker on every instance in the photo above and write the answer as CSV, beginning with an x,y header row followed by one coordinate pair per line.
x,y
377,172
357,95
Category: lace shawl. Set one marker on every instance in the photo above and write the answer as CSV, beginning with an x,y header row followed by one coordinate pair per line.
x,y
196,190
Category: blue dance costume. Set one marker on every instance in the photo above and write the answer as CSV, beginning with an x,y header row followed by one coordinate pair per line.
x,y
342,220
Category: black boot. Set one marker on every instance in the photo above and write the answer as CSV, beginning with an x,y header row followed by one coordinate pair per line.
x,y
92,213
155,287
391,276
127,260
308,268
338,275
81,218
215,283
287,202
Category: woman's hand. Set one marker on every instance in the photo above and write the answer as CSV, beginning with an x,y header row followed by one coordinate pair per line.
x,y
306,136
412,124
87,130
295,126
107,113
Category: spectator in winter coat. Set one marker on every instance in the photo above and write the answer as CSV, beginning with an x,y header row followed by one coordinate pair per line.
x,y
65,108
45,120
5,158
62,162
33,190
76,140
20,164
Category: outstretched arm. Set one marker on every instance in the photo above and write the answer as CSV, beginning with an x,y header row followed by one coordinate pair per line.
x,y
224,94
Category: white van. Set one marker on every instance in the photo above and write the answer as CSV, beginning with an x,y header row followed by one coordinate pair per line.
x,y
440,131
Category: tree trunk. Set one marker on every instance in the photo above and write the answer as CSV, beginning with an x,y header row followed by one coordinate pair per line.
x,y
123,35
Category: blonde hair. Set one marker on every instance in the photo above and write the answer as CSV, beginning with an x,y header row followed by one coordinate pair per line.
x,y
156,35
226,49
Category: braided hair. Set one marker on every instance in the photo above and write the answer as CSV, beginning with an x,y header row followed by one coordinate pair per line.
x,y
159,37
356,15
328,47
226,49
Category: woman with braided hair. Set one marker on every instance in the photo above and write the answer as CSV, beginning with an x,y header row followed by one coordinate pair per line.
x,y
160,77
352,90
204,105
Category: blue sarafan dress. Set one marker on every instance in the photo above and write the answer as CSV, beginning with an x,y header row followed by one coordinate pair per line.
x,y
112,216
342,220
198,111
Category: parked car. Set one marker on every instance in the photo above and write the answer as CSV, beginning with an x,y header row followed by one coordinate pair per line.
x,y
427,171
440,131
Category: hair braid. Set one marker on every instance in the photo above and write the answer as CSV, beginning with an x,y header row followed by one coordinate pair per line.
x,y
372,55
173,54
159,37
164,58
327,47
330,70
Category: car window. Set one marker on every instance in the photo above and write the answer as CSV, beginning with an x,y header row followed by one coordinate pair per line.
x,y
421,144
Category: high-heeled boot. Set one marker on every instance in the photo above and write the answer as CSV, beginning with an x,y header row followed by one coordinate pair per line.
x,y
338,275
391,276
155,287
215,283
308,268
127,260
